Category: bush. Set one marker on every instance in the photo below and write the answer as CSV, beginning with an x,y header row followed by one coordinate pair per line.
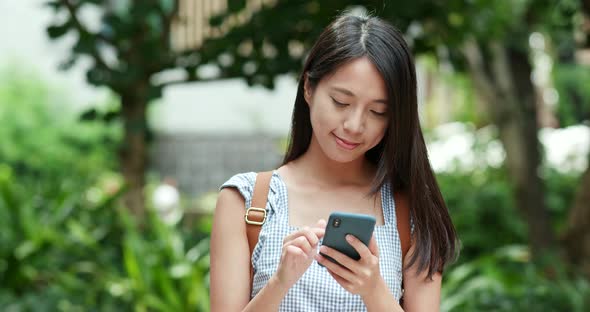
x,y
62,251
505,280
65,242
494,271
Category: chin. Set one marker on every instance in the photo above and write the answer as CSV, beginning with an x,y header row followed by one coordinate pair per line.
x,y
342,157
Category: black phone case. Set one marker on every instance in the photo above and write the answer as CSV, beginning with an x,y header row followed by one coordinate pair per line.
x,y
359,225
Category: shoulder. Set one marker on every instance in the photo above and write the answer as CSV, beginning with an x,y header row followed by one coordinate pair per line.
x,y
245,179
242,184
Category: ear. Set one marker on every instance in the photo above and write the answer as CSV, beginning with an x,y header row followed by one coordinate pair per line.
x,y
307,92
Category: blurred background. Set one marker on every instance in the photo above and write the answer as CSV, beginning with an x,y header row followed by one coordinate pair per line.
x,y
120,119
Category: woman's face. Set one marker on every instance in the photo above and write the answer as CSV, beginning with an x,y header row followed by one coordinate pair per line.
x,y
348,110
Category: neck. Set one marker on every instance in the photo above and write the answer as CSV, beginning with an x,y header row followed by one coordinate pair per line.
x,y
314,163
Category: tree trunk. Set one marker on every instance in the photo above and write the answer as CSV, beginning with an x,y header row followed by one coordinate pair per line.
x,y
133,152
504,83
577,235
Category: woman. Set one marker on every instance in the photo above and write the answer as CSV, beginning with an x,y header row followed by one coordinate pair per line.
x,y
355,139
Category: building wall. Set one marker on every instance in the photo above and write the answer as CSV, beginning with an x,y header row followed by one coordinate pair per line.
x,y
201,163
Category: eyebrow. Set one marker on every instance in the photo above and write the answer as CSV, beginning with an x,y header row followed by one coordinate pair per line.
x,y
348,92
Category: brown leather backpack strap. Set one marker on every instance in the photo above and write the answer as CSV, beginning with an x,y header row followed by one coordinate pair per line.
x,y
256,214
402,213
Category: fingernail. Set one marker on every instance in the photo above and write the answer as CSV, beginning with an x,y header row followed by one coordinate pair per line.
x,y
349,237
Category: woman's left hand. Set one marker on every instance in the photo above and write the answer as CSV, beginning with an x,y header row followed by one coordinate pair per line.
x,y
357,277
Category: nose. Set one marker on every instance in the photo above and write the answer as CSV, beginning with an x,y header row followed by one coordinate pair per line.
x,y
355,122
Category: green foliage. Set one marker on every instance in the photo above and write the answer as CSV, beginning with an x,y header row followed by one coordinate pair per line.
x,y
571,82
482,200
505,280
40,134
65,243
162,274
495,271
438,28
482,207
78,251
138,32
54,247
460,92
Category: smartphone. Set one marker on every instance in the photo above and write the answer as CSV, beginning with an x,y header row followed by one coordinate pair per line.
x,y
342,223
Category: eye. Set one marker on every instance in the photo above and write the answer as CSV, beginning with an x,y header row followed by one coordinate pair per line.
x,y
338,103
379,113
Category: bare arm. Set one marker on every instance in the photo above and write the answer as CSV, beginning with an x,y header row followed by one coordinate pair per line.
x,y
230,261
421,293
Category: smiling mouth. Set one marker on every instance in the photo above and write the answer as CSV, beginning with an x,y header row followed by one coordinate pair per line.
x,y
345,144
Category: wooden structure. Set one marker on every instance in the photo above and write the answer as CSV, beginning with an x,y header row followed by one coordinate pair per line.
x,y
191,26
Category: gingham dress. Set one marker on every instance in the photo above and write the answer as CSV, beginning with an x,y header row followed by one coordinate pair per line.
x,y
316,290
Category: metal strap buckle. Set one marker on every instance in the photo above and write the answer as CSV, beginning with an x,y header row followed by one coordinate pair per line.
x,y
252,221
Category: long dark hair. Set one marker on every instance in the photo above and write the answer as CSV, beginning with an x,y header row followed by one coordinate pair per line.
x,y
401,157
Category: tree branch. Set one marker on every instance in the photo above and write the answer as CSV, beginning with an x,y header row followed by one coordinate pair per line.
x,y
72,9
496,103
474,58
190,78
167,22
501,70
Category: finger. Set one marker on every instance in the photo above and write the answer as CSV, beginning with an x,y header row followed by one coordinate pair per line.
x,y
296,234
321,224
344,283
306,233
373,247
319,232
341,258
320,228
302,243
311,236
361,248
295,251
335,268
290,237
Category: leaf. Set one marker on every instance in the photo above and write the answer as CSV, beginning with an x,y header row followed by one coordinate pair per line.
x,y
86,44
166,285
132,266
111,116
236,5
68,64
168,5
89,115
217,20
154,302
55,5
25,249
56,31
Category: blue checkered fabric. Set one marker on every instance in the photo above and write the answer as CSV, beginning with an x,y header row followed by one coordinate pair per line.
x,y
316,290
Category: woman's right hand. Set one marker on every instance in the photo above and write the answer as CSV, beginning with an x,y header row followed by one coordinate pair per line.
x,y
298,253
